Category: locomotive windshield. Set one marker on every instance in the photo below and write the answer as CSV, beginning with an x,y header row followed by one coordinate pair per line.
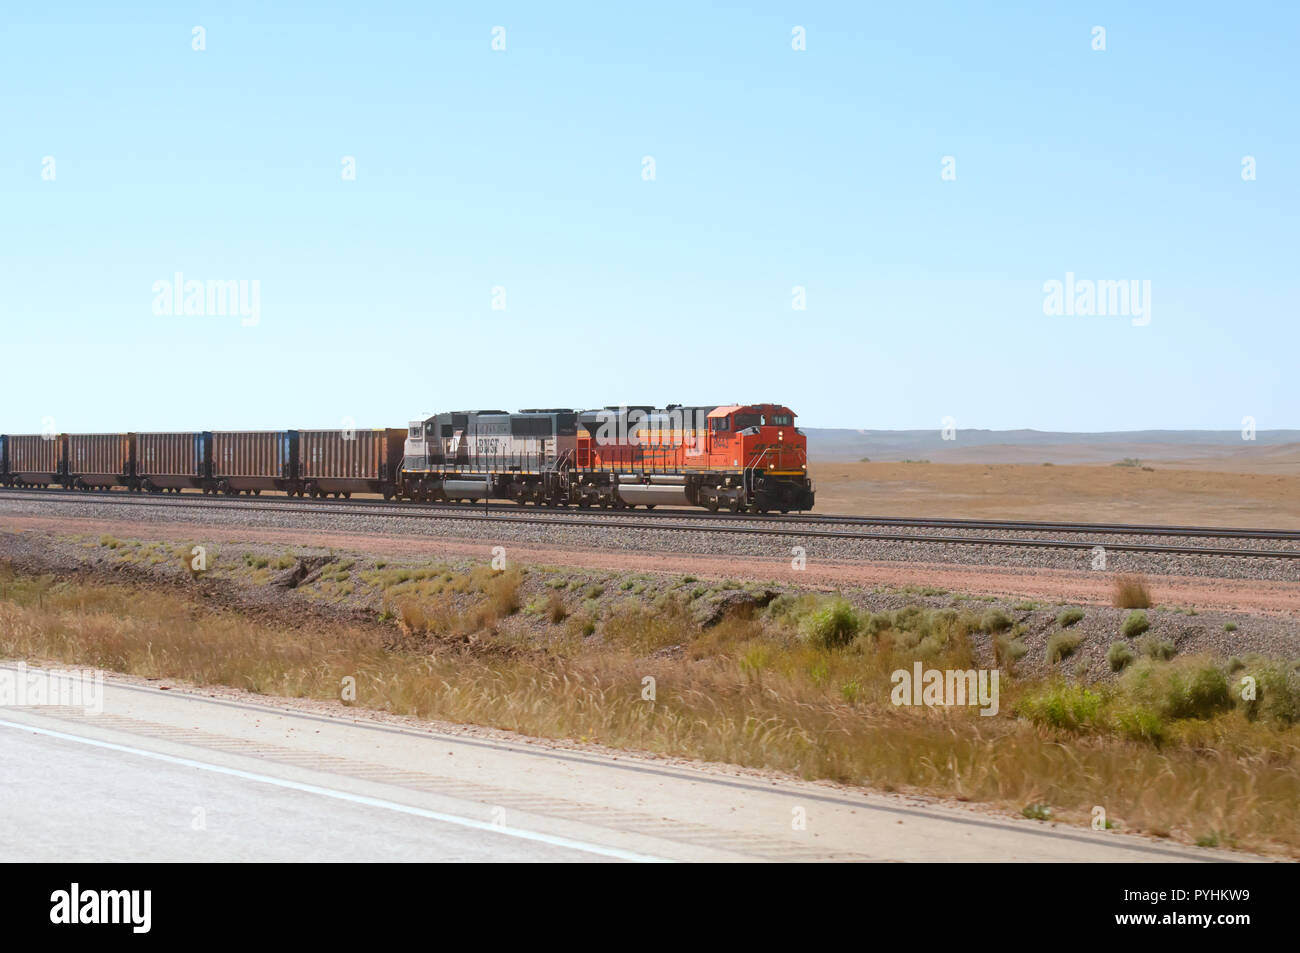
x,y
779,420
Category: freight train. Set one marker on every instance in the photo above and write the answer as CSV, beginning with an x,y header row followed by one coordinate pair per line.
x,y
737,457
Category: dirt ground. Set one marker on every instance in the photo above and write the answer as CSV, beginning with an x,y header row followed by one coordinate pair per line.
x,y
1105,494
336,579
1083,587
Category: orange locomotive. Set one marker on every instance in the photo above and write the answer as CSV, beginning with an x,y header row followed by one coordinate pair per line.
x,y
741,457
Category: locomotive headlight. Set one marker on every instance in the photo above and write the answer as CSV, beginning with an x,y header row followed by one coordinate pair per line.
x,y
780,435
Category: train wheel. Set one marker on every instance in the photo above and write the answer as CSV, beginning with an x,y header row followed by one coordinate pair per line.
x,y
734,505
712,505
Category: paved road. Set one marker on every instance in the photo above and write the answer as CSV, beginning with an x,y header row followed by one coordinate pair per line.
x,y
181,776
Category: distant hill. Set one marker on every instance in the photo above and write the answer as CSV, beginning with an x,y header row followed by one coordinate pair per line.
x,y
1039,446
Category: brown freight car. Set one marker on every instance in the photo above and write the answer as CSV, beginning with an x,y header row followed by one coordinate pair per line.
x,y
250,461
36,459
100,460
343,462
171,462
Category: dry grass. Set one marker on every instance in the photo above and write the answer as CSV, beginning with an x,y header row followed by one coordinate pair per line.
x,y
555,608
751,691
433,609
1130,592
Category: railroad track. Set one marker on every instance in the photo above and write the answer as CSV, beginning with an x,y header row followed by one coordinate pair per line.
x,y
846,527
509,508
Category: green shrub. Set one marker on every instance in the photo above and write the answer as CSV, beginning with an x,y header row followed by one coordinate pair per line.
x,y
833,625
1120,656
1062,645
876,622
1194,689
1138,723
1008,650
1277,691
1161,649
1206,694
1229,627
1069,617
1135,624
1061,705
995,620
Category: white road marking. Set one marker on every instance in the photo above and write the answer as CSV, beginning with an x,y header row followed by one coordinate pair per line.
x,y
346,796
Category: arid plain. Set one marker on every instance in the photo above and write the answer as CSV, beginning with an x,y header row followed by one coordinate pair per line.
x,y
1243,489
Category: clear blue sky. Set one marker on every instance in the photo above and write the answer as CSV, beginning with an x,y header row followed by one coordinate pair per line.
x,y
774,168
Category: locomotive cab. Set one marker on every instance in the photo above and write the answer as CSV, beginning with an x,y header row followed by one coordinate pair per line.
x,y
416,448
771,454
